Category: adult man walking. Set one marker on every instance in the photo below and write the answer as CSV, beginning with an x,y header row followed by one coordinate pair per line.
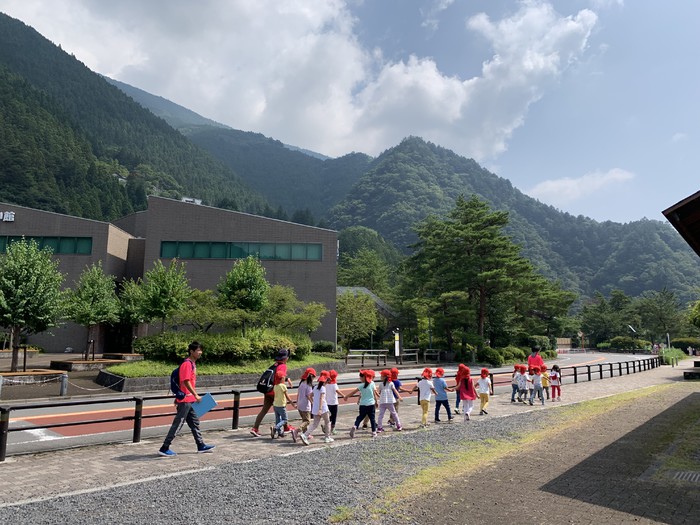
x,y
185,413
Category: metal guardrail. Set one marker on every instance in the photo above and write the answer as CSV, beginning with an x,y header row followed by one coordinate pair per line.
x,y
138,415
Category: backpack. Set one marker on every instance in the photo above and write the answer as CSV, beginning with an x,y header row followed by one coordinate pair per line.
x,y
267,380
175,384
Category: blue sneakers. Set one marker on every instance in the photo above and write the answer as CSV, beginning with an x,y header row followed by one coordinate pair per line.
x,y
205,448
166,453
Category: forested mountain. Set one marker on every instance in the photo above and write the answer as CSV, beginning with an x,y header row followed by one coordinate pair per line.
x,y
414,179
102,130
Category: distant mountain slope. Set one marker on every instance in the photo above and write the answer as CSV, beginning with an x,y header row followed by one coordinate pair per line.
x,y
414,179
177,116
118,129
290,177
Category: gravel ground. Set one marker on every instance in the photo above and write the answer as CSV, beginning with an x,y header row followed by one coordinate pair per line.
x,y
305,487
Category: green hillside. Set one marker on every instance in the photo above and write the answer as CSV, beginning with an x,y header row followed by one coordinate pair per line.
x,y
415,179
114,127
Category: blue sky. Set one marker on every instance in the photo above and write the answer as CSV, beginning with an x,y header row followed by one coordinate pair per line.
x,y
588,105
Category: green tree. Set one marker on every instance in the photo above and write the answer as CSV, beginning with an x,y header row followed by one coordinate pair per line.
x,y
244,287
357,317
366,269
285,312
164,292
203,312
603,319
660,314
30,292
92,301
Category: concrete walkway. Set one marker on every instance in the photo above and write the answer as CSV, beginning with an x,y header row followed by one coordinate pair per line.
x,y
46,475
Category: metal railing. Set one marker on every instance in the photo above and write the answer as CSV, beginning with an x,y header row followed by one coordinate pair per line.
x,y
622,367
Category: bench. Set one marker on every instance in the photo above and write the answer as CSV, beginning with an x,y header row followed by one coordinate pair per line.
x,y
433,354
355,353
408,354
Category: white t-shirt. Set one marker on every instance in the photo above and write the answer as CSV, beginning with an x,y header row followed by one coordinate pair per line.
x,y
425,389
554,378
332,393
483,385
386,394
536,380
318,392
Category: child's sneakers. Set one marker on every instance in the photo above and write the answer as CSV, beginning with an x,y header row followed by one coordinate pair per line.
x,y
295,434
304,438
374,434
254,432
328,439
380,429
398,428
457,411
273,431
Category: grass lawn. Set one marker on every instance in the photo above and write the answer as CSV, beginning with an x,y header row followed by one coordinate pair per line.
x,y
164,368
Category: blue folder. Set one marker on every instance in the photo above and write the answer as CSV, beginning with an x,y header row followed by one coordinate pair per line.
x,y
205,405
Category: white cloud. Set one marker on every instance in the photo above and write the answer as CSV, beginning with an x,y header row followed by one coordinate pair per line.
x,y
606,4
432,14
566,190
679,137
296,70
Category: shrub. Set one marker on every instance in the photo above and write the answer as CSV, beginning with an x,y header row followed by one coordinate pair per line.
x,y
685,342
513,354
489,355
603,346
228,348
539,340
322,347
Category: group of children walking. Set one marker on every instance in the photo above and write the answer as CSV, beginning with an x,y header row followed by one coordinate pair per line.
x,y
318,403
528,383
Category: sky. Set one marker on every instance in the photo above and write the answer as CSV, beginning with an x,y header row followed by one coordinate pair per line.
x,y
591,106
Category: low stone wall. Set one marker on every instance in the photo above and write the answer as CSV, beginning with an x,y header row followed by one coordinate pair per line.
x,y
82,366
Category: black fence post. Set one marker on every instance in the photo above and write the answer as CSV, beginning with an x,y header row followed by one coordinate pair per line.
x,y
236,409
4,431
589,372
138,419
619,368
491,378
575,375
600,370
611,370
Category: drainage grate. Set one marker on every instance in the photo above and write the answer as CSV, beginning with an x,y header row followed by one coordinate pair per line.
x,y
693,477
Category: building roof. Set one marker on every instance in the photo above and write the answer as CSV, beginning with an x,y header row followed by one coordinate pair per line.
x,y
685,217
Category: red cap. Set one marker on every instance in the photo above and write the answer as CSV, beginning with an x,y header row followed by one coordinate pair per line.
x,y
369,375
333,376
439,372
394,374
427,373
385,373
308,372
484,372
543,368
324,376
536,369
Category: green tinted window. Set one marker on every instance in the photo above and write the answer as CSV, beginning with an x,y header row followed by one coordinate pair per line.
x,y
267,251
3,244
185,250
239,250
298,252
313,252
201,250
168,249
66,245
83,246
283,252
219,250
50,242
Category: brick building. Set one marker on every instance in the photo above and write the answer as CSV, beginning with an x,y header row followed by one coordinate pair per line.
x,y
208,240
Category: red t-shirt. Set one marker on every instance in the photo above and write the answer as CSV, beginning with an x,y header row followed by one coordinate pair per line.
x,y
534,360
188,370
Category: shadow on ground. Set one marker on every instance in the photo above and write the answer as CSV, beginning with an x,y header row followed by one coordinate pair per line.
x,y
615,476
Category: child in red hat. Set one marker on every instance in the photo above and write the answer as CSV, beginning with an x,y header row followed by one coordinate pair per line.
x,y
515,376
545,380
467,392
280,405
522,384
319,409
536,385
368,398
483,387
441,399
304,397
332,394
425,391
387,394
